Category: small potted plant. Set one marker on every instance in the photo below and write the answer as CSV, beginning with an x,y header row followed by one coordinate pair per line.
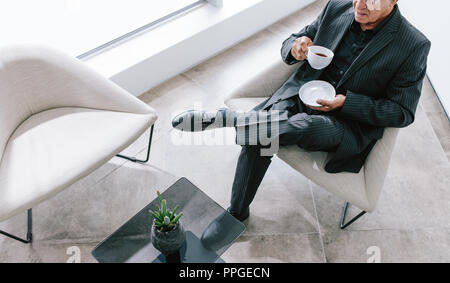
x,y
168,235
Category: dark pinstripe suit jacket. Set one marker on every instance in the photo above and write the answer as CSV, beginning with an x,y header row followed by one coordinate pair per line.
x,y
384,83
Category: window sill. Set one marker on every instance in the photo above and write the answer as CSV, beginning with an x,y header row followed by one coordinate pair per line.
x,y
175,46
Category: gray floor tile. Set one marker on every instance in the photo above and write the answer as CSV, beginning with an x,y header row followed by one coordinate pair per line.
x,y
441,126
172,97
415,246
298,248
437,116
47,252
428,98
168,99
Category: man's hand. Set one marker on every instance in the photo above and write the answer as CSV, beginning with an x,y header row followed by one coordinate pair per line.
x,y
330,105
300,47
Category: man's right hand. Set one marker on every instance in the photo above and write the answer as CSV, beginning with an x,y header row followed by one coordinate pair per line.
x,y
300,47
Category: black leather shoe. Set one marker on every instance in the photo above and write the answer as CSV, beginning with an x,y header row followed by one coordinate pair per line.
x,y
198,120
217,235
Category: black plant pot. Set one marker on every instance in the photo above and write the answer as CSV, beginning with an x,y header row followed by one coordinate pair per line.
x,y
169,243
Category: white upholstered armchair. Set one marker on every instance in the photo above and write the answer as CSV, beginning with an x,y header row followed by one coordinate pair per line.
x,y
59,121
362,189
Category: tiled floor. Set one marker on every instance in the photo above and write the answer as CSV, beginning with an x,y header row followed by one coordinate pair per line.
x,y
292,220
436,114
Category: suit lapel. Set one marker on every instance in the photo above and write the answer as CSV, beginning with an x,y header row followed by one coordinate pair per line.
x,y
380,40
343,24
375,45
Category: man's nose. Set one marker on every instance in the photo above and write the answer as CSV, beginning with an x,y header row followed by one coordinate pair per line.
x,y
361,4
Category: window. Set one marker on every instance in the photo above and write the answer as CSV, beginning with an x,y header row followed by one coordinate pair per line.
x,y
81,26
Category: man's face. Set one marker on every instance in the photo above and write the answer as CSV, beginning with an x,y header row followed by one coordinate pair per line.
x,y
371,11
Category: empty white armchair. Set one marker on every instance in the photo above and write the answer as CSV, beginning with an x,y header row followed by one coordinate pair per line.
x,y
362,189
59,121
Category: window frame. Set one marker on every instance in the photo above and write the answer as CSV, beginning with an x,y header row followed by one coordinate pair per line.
x,y
116,41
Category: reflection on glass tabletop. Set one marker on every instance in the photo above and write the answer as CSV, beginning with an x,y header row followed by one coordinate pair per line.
x,y
132,241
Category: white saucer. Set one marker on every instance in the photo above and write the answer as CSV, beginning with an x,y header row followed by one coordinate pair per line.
x,y
313,90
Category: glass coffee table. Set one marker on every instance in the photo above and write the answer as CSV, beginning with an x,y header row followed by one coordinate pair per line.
x,y
132,241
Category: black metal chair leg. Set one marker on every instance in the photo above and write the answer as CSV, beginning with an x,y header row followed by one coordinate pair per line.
x,y
29,234
344,225
134,159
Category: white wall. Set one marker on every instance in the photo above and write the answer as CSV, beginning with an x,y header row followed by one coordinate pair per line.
x,y
431,17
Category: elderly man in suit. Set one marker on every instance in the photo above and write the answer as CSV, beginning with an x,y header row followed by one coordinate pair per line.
x,y
378,70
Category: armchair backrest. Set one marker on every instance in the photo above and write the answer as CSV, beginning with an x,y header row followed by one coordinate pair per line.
x,y
265,82
35,78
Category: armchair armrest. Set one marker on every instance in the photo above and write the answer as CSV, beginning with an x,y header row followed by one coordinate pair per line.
x,y
265,82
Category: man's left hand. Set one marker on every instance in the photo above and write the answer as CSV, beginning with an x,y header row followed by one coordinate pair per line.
x,y
330,105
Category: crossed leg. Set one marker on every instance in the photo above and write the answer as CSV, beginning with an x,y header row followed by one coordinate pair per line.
x,y
302,126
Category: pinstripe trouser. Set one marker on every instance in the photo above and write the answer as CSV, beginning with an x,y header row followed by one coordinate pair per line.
x,y
299,125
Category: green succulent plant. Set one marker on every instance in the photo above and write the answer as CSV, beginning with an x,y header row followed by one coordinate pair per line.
x,y
165,219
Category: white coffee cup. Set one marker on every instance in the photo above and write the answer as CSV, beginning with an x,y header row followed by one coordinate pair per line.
x,y
319,57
